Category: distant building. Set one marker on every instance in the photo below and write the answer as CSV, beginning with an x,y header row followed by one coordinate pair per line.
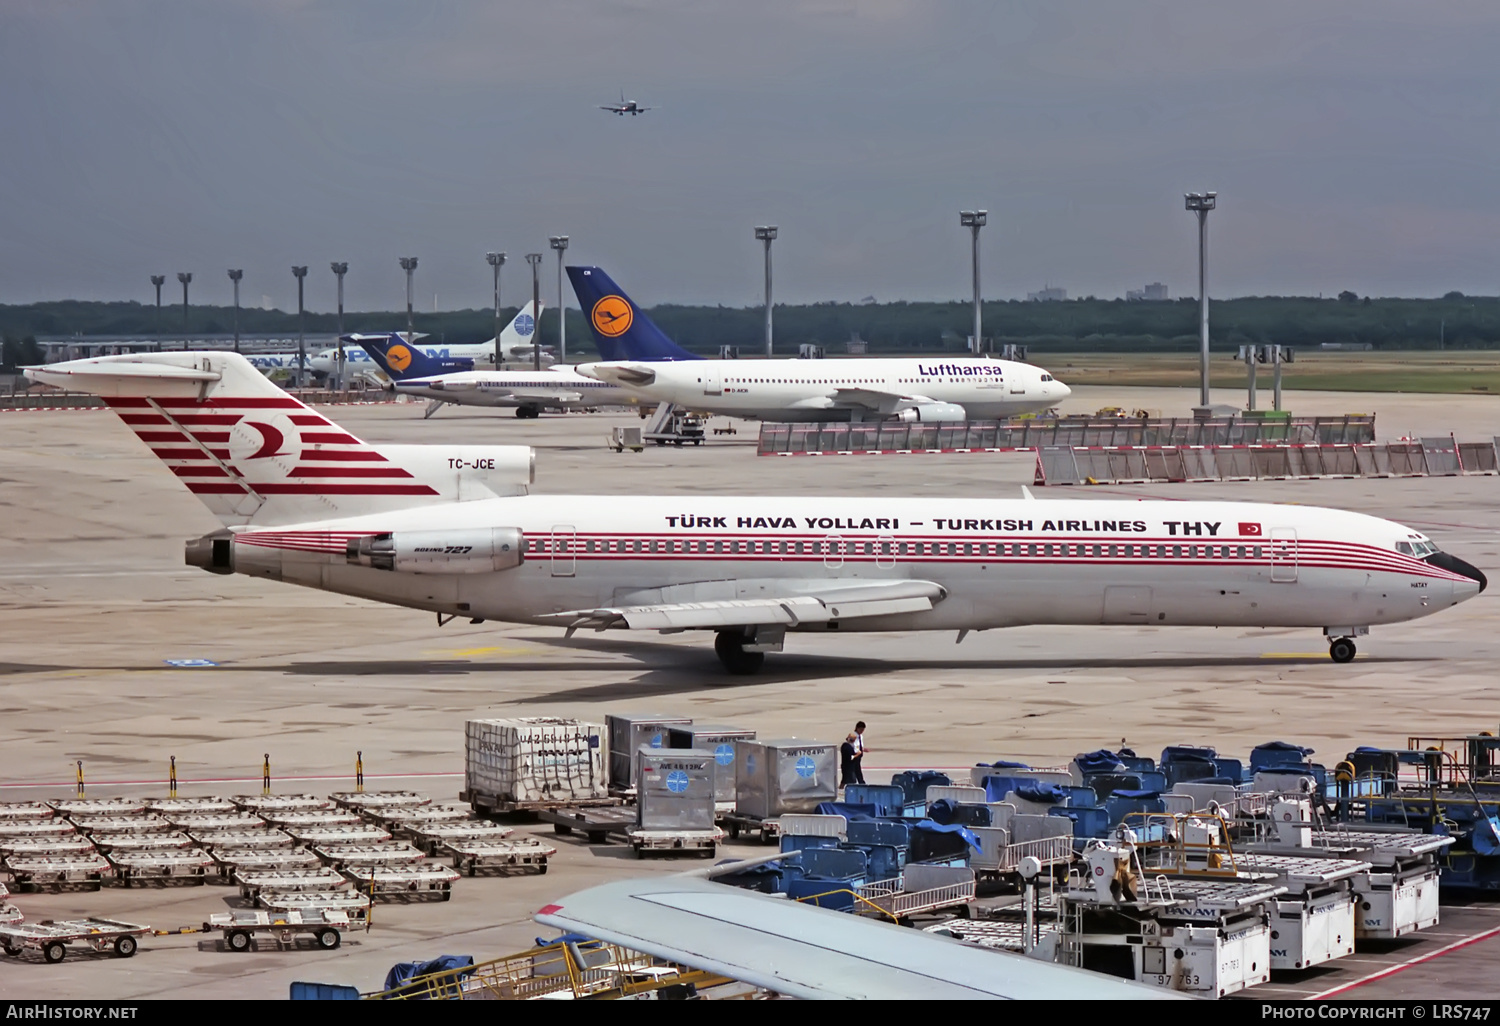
x,y
867,301
1047,295
1155,292
857,346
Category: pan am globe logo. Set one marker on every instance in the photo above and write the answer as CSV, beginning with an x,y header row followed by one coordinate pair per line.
x,y
525,325
677,781
612,316
806,767
399,357
724,754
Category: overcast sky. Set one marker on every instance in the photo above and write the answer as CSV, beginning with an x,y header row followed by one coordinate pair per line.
x,y
1354,145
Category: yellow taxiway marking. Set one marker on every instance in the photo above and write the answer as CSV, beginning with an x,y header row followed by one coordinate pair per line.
x,y
1294,655
485,650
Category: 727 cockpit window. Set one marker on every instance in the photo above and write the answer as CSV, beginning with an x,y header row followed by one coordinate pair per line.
x,y
1418,549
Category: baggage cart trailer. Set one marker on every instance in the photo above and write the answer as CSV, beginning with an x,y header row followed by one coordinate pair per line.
x,y
191,865
596,824
243,840
376,802
109,843
316,820
737,823
24,812
415,878
262,860
98,806
234,820
918,891
432,838
244,926
354,905
672,842
489,804
23,847
403,822
145,823
316,836
52,937
472,856
252,882
384,853
59,870
259,803
169,807
36,828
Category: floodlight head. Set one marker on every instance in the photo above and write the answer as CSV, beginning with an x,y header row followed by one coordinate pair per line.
x,y
533,258
236,275
1201,200
495,259
766,232
339,267
559,242
408,263
973,218
299,271
158,280
184,276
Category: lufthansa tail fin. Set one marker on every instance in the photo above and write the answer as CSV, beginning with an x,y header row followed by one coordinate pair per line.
x,y
255,455
401,360
622,331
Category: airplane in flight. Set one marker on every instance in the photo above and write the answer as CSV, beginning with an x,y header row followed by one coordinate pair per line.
x,y
453,529
937,389
529,392
516,346
625,106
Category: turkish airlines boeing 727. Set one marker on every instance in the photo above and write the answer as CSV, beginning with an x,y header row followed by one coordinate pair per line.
x,y
452,529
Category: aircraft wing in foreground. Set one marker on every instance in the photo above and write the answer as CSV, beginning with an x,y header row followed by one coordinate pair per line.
x,y
807,952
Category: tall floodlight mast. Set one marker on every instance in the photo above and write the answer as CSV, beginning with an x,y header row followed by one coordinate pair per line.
x,y
497,261
975,220
409,264
535,260
1201,203
235,275
560,243
767,234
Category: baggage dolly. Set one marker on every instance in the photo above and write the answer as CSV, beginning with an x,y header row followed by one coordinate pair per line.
x,y
52,938
243,840
169,807
432,838
122,843
190,865
595,824
313,820
23,812
670,842
382,853
354,905
97,806
379,802
242,925
252,882
231,820
319,836
56,871
258,803
471,856
404,822
36,828
487,804
737,823
145,823
262,860
22,847
417,878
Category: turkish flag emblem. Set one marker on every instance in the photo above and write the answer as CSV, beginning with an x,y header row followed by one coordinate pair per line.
x,y
1249,530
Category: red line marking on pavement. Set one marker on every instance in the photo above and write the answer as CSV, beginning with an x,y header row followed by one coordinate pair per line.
x,y
1407,964
226,780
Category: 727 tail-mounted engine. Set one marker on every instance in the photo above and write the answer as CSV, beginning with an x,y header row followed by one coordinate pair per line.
x,y
474,551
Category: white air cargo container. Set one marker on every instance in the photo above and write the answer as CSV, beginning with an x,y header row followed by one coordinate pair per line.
x,y
674,789
785,775
535,759
628,732
719,740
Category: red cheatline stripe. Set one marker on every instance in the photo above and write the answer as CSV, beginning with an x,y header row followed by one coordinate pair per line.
x,y
164,436
213,419
125,402
144,418
311,437
189,454
337,455
309,420
211,436
348,472
235,402
318,489
201,470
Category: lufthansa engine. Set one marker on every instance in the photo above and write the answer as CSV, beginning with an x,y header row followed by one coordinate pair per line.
x,y
933,413
474,551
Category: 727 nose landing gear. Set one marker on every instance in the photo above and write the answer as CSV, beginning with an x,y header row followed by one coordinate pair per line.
x,y
1341,650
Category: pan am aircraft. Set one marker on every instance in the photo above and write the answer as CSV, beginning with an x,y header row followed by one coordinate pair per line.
x,y
944,388
452,529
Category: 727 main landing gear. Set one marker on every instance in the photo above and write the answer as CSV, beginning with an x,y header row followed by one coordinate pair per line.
x,y
730,647
1341,650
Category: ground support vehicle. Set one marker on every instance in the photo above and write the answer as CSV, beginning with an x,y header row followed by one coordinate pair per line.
x,y
487,804
59,870
243,840
920,890
230,861
1001,860
232,820
674,842
406,822
243,927
431,838
316,836
191,865
23,847
471,857
71,807
251,883
52,937
169,807
143,823
737,823
597,824
25,812
123,843
35,828
390,881
384,853
375,803
297,820
258,803
353,904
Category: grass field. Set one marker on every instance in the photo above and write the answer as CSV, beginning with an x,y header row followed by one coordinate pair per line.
x,y
1418,371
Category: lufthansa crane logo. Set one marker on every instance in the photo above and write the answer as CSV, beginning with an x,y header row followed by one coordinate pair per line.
x,y
612,316
399,357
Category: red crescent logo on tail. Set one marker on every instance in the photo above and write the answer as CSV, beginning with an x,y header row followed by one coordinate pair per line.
x,y
270,441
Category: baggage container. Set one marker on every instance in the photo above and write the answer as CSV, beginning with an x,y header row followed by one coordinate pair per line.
x,y
719,740
674,789
534,759
784,775
629,731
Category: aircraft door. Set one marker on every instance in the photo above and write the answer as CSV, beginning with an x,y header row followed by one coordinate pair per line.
x,y
564,549
1127,604
885,551
1284,555
833,552
712,381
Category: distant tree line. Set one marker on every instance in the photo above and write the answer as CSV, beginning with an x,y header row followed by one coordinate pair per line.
x,y
1456,321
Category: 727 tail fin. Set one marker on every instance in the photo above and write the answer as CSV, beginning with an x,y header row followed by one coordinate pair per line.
x,y
621,330
254,454
401,360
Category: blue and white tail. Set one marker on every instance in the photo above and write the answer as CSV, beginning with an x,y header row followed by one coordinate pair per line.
x,y
401,361
621,330
256,455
